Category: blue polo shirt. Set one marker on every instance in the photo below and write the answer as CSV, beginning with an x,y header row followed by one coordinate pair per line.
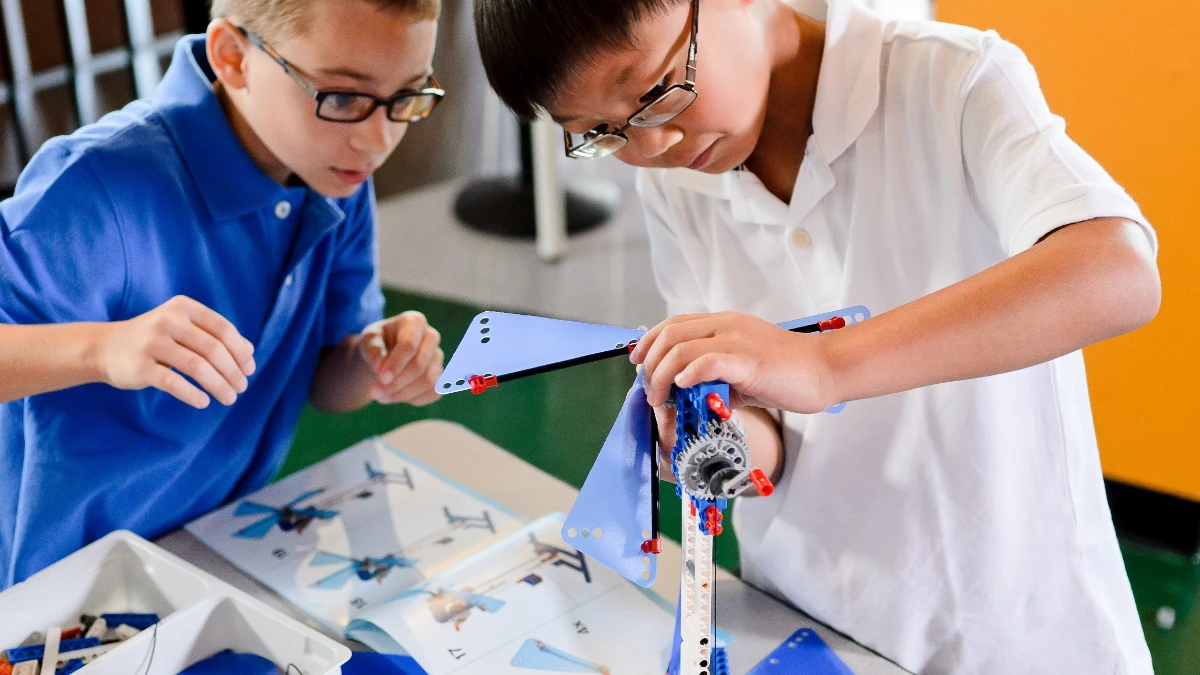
x,y
157,200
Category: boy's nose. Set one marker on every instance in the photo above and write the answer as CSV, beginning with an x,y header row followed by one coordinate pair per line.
x,y
377,134
654,141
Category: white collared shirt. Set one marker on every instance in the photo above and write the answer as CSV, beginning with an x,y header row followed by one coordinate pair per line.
x,y
958,528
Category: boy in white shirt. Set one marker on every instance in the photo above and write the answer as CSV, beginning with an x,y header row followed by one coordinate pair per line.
x,y
954,518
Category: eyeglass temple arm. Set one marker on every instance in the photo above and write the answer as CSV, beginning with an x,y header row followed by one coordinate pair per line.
x,y
287,67
692,49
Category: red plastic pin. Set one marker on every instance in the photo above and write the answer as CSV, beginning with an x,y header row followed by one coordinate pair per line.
x,y
832,324
762,483
481,383
652,546
717,404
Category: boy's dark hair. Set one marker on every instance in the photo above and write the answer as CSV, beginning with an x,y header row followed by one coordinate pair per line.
x,y
276,18
530,47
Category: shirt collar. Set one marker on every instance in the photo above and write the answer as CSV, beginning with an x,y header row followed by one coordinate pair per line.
x,y
847,88
229,182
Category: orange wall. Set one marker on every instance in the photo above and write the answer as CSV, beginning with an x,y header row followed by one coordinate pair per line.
x,y
1126,77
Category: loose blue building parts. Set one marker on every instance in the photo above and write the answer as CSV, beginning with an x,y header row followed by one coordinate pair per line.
x,y
454,606
615,518
298,514
376,569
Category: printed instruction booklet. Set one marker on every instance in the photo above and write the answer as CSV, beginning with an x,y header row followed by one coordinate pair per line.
x,y
391,553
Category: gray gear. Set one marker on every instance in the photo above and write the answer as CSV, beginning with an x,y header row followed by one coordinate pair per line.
x,y
716,465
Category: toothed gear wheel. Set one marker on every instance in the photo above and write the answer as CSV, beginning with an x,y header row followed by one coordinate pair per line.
x,y
716,465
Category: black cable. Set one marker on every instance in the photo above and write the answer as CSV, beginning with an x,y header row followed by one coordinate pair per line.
x,y
153,646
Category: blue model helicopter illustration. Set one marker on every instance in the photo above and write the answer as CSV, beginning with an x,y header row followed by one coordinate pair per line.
x,y
298,514
615,519
377,569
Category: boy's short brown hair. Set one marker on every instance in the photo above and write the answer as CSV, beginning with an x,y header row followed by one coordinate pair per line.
x,y
274,18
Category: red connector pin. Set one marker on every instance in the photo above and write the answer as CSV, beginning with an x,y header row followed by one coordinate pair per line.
x,y
717,404
652,546
762,483
832,324
481,383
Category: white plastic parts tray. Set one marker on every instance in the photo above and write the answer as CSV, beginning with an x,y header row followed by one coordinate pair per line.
x,y
199,614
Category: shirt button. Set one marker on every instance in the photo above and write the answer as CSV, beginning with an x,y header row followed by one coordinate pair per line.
x,y
288,280
801,238
283,210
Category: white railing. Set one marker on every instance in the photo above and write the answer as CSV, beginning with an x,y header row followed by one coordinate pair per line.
x,y
142,57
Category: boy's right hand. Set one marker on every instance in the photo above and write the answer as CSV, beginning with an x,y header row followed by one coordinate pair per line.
x,y
180,337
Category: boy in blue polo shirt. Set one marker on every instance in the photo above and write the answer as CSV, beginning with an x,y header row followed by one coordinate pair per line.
x,y
214,241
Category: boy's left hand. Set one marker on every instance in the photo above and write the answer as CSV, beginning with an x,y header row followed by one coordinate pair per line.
x,y
764,365
405,353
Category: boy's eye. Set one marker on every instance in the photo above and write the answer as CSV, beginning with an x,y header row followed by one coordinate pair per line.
x,y
657,90
342,101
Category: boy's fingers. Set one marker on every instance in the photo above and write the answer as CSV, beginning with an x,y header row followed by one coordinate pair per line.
x,y
428,353
672,335
173,383
189,363
373,347
423,389
215,351
647,341
705,368
219,327
404,336
659,382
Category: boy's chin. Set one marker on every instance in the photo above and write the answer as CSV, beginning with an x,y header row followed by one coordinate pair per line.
x,y
331,185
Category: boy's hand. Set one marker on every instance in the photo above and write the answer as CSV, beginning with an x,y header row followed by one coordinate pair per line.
x,y
404,352
764,365
664,418
180,337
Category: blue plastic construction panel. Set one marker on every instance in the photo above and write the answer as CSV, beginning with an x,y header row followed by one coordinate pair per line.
x,y
614,512
499,344
852,315
804,652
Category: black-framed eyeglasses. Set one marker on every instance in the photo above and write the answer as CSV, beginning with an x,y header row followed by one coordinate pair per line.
x,y
665,107
409,105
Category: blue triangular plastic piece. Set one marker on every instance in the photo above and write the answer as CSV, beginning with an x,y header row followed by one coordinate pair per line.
x,y
501,344
325,558
537,655
804,652
614,512
253,509
260,529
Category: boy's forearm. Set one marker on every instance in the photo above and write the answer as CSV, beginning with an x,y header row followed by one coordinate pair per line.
x,y
765,441
35,359
343,379
1082,284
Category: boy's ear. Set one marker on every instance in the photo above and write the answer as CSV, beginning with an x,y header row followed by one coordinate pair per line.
x,y
227,50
